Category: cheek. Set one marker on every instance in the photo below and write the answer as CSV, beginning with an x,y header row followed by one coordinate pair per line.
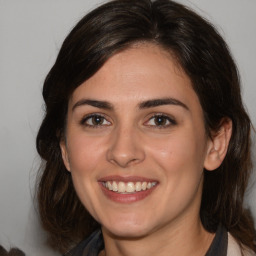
x,y
85,154
180,159
178,150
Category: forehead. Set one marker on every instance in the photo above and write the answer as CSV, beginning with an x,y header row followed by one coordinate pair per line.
x,y
138,73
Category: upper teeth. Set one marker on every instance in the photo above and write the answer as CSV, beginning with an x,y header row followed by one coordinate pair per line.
x,y
128,187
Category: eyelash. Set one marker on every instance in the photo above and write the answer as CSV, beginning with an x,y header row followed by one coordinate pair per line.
x,y
91,116
164,118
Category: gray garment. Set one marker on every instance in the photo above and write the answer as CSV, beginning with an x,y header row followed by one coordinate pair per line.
x,y
219,244
94,244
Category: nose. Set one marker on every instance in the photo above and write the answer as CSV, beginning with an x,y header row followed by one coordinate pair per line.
x,y
126,148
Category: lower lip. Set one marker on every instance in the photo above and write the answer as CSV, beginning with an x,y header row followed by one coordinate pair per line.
x,y
126,198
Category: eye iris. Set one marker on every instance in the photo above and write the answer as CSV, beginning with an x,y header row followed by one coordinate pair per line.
x,y
97,120
160,120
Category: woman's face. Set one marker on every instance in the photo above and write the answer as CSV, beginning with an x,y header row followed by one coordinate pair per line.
x,y
136,144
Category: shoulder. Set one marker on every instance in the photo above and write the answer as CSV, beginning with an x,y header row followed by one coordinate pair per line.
x,y
234,248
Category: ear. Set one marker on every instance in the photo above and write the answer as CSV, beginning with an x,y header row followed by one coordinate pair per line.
x,y
64,154
218,145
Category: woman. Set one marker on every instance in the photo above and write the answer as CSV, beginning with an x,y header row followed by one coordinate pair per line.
x,y
145,140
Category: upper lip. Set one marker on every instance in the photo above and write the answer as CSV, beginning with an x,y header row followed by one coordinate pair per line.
x,y
125,178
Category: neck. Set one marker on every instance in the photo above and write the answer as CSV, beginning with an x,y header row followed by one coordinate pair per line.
x,y
182,240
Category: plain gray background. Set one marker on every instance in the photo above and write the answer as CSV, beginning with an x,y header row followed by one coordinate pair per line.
x,y
31,33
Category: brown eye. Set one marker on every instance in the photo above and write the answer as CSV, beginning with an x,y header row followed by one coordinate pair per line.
x,y
95,120
160,121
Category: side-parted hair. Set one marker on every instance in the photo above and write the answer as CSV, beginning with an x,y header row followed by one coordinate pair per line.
x,y
202,54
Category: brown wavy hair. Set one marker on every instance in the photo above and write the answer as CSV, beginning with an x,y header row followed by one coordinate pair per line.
x,y
203,55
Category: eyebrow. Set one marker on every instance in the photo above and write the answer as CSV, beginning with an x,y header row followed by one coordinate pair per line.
x,y
143,105
159,102
94,103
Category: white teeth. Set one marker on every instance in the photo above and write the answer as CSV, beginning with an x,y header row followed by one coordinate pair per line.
x,y
114,186
144,185
129,187
138,186
109,185
121,187
149,185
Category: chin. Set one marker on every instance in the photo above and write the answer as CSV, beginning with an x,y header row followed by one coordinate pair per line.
x,y
127,229
127,234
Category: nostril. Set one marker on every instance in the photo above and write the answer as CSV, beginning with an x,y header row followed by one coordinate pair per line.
x,y
124,159
125,148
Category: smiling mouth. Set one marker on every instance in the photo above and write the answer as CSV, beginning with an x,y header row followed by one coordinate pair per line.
x,y
128,187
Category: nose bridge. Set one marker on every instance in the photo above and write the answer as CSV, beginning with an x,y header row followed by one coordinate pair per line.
x,y
125,147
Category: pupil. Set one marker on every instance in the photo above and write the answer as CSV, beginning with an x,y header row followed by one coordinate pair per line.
x,y
160,120
97,120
